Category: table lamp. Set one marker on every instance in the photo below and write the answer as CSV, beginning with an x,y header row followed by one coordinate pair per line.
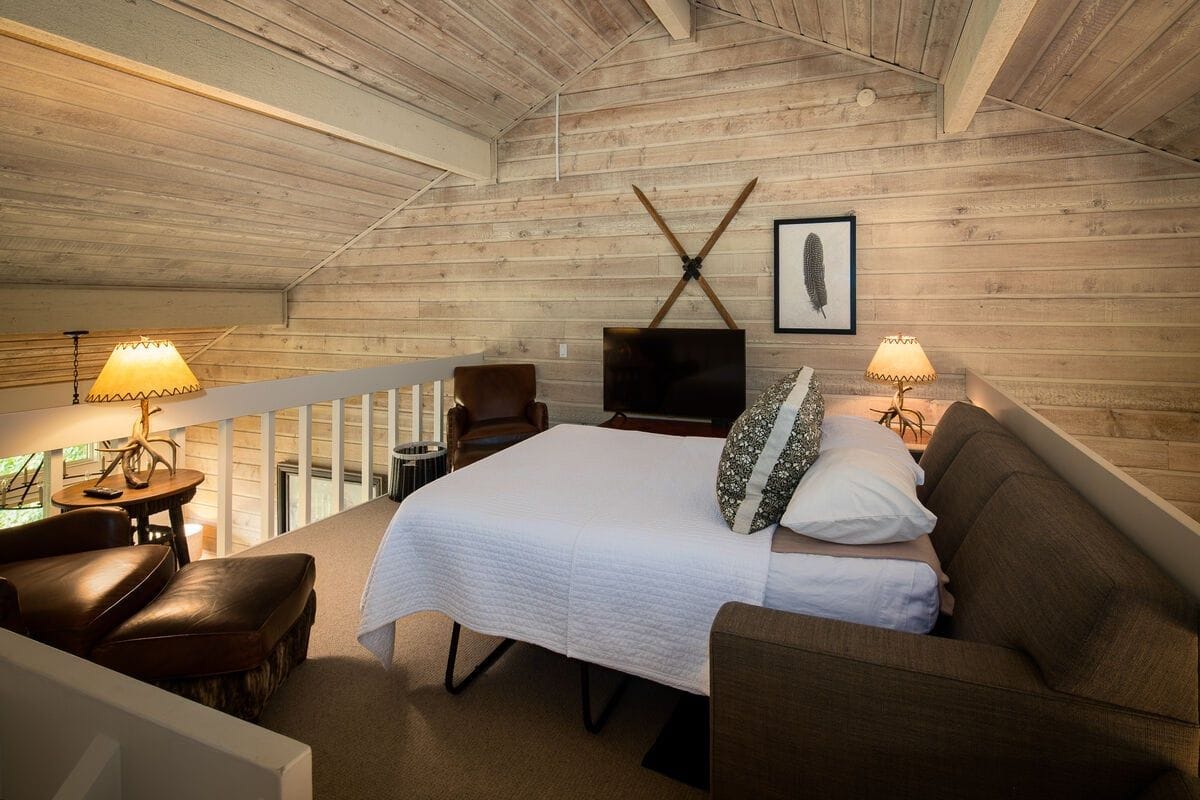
x,y
900,360
138,371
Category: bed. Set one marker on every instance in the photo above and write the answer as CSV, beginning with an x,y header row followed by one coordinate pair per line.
x,y
607,546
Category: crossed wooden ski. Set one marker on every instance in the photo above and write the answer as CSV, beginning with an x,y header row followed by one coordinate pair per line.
x,y
691,266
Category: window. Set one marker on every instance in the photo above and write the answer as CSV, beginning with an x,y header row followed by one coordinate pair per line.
x,y
321,490
22,479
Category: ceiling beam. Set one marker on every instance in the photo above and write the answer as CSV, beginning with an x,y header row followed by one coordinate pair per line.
x,y
40,308
919,76
157,43
675,16
991,28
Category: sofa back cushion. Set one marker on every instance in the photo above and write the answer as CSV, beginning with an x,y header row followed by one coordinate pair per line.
x,y
982,464
1041,571
960,422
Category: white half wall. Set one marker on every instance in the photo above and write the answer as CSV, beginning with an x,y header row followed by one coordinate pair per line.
x,y
66,723
1169,537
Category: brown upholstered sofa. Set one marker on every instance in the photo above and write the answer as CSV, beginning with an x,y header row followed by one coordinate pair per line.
x,y
1069,668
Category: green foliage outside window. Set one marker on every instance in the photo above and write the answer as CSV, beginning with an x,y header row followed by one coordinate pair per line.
x,y
10,517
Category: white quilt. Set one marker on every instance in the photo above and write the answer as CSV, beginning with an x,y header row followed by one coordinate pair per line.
x,y
601,544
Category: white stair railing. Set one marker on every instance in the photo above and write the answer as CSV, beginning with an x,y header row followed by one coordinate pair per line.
x,y
50,430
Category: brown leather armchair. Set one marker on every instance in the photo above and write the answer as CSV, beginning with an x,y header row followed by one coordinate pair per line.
x,y
224,632
495,407
70,579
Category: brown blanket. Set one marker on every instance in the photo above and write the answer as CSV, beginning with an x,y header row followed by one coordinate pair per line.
x,y
787,540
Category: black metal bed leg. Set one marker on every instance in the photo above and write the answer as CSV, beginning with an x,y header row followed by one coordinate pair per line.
x,y
483,666
585,686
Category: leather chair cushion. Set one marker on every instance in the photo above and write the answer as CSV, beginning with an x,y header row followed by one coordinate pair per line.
x,y
498,431
71,601
215,617
466,456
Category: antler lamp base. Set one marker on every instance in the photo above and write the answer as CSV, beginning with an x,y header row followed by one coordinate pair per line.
x,y
906,419
129,455
900,360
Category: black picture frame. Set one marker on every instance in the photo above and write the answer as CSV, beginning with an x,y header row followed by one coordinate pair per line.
x,y
832,278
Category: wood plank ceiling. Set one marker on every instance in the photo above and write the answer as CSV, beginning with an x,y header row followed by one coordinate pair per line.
x,y
918,35
1127,67
106,178
478,63
110,179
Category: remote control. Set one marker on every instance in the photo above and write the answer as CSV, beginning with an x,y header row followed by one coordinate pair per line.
x,y
103,491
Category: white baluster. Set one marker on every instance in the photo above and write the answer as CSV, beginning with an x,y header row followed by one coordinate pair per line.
x,y
439,415
393,434
268,518
368,442
52,469
416,412
304,478
224,487
337,456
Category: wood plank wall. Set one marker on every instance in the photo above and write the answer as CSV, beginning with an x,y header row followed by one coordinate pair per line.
x,y
1062,265
38,359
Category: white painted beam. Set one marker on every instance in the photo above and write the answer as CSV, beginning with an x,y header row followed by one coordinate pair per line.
x,y
675,16
160,44
991,28
40,308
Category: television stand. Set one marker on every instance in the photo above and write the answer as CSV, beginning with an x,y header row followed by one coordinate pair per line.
x,y
670,427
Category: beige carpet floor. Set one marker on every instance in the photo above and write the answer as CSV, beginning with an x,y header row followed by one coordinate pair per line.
x,y
515,733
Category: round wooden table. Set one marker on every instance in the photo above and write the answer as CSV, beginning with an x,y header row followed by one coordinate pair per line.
x,y
166,493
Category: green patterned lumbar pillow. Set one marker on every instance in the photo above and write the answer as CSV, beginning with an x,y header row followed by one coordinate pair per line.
x,y
769,448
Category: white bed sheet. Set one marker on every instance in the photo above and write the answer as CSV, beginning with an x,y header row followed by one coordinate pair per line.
x,y
607,546
884,592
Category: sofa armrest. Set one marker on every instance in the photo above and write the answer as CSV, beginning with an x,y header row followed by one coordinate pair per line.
x,y
10,608
538,415
72,532
810,707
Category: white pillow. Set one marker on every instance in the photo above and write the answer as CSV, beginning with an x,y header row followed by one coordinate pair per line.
x,y
839,431
855,496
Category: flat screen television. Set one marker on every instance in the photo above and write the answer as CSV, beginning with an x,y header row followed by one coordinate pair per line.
x,y
675,372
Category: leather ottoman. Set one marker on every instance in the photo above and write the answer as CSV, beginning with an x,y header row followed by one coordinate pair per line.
x,y
224,632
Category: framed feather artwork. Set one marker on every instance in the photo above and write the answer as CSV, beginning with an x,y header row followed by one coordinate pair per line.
x,y
814,275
